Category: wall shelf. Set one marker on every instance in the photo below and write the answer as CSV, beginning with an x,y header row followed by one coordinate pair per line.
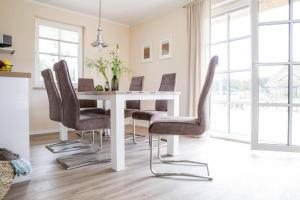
x,y
7,50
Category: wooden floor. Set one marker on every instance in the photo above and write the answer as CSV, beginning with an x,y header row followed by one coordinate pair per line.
x,y
239,174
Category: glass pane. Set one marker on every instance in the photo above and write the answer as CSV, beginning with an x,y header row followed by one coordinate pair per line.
x,y
296,84
218,29
48,32
240,118
48,46
273,84
220,88
296,126
274,43
73,68
296,42
46,62
218,117
273,125
273,10
69,49
69,36
296,12
240,23
240,59
240,85
221,51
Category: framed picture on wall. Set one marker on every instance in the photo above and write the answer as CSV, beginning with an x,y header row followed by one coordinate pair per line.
x,y
165,48
146,52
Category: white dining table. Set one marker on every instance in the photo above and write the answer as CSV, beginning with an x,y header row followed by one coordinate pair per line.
x,y
117,105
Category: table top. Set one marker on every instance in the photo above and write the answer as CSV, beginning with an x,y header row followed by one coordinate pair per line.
x,y
130,93
15,74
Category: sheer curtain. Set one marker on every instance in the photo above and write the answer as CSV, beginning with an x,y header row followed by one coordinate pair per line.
x,y
198,17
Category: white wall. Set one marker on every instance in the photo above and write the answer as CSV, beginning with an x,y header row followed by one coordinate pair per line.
x,y
17,18
172,24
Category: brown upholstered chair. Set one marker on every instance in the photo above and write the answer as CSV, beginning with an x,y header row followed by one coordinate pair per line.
x,y
168,82
136,84
71,115
53,96
87,85
55,112
185,126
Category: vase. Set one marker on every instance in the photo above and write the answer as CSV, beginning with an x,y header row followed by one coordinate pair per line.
x,y
106,87
114,83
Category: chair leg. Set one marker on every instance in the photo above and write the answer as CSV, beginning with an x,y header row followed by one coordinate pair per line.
x,y
134,135
50,147
101,143
175,161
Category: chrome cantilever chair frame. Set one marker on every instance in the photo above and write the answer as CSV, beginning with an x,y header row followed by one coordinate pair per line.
x,y
185,126
160,174
87,163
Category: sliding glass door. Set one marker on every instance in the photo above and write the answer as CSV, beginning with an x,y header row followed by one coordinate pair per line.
x,y
231,91
276,74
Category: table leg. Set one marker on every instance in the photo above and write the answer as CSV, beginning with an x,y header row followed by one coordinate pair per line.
x,y
173,141
117,133
63,132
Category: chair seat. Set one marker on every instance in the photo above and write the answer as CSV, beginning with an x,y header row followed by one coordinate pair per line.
x,y
148,115
91,121
92,110
127,112
176,126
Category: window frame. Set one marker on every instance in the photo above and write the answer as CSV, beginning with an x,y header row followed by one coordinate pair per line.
x,y
256,65
60,26
228,134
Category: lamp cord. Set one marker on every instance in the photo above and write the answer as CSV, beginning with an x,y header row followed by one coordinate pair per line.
x,y
99,14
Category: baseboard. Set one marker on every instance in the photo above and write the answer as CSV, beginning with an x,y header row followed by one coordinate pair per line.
x,y
55,130
45,131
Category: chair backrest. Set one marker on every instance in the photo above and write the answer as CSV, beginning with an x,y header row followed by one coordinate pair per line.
x,y
202,104
168,82
86,85
70,103
55,107
136,84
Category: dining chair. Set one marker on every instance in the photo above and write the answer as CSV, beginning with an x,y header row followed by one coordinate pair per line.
x,y
55,113
136,84
71,115
185,126
168,82
87,85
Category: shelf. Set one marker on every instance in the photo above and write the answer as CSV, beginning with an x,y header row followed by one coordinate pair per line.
x,y
7,50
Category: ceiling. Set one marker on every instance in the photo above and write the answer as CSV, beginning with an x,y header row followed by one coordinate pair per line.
x,y
128,12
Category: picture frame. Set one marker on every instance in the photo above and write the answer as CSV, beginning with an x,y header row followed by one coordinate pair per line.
x,y
165,48
146,52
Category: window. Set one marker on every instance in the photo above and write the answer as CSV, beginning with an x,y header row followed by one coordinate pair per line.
x,y
54,42
276,74
231,90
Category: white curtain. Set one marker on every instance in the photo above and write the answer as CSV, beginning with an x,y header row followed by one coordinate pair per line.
x,y
198,16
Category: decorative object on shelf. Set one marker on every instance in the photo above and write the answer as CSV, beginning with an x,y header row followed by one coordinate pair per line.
x,y
106,87
114,84
165,48
99,88
5,40
6,65
100,65
117,68
99,43
146,52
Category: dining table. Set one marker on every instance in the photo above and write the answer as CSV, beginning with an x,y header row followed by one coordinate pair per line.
x,y
117,101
